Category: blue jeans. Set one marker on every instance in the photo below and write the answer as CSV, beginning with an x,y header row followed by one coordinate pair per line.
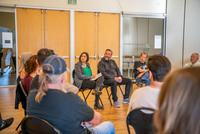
x,y
144,78
106,127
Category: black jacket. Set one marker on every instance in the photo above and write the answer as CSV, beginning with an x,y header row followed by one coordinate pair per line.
x,y
108,68
19,96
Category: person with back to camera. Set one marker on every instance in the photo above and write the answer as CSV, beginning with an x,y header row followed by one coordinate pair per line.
x,y
19,96
30,68
66,111
147,96
42,54
140,70
113,77
193,61
178,105
83,76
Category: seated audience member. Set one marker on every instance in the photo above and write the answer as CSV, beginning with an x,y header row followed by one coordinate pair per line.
x,y
42,54
140,70
147,96
30,68
5,123
193,61
83,76
178,105
67,111
25,56
113,77
20,97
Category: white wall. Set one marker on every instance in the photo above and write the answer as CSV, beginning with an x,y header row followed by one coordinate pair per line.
x,y
143,6
133,6
95,5
182,39
192,29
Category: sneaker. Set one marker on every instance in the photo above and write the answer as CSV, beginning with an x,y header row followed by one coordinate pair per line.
x,y
116,104
126,101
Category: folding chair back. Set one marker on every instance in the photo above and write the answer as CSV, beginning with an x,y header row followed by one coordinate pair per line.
x,y
36,125
140,121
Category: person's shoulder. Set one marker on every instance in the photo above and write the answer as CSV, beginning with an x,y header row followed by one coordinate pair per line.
x,y
112,60
78,63
137,62
34,83
74,98
88,64
197,63
101,61
187,64
142,89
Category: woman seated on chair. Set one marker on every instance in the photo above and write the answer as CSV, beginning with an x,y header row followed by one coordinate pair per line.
x,y
179,103
83,76
30,68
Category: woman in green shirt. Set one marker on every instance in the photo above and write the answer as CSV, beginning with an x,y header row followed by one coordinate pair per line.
x,y
83,76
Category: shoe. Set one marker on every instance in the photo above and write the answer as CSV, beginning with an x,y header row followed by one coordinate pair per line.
x,y
96,92
98,106
116,104
126,101
6,123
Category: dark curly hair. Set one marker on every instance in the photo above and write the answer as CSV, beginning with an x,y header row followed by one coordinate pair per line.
x,y
30,65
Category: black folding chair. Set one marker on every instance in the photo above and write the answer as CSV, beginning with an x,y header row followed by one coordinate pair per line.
x,y
110,94
21,95
83,90
36,125
140,121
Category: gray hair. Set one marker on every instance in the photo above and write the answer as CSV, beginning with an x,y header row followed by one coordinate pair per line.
x,y
196,55
25,56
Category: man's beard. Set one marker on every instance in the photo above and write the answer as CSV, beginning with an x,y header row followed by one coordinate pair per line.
x,y
106,58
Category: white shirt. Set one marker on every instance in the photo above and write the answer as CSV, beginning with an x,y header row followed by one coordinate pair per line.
x,y
144,97
197,64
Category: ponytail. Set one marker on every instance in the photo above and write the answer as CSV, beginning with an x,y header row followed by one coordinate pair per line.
x,y
43,88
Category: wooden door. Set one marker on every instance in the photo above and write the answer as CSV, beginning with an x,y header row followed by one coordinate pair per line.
x,y
29,30
57,33
109,34
86,37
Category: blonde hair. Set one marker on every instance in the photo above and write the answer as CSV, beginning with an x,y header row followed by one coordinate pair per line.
x,y
44,80
179,103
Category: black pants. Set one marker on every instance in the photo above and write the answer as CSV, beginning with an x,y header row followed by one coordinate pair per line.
x,y
113,84
91,84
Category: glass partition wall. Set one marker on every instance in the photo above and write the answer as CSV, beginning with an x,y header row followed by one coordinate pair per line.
x,y
141,35
7,47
